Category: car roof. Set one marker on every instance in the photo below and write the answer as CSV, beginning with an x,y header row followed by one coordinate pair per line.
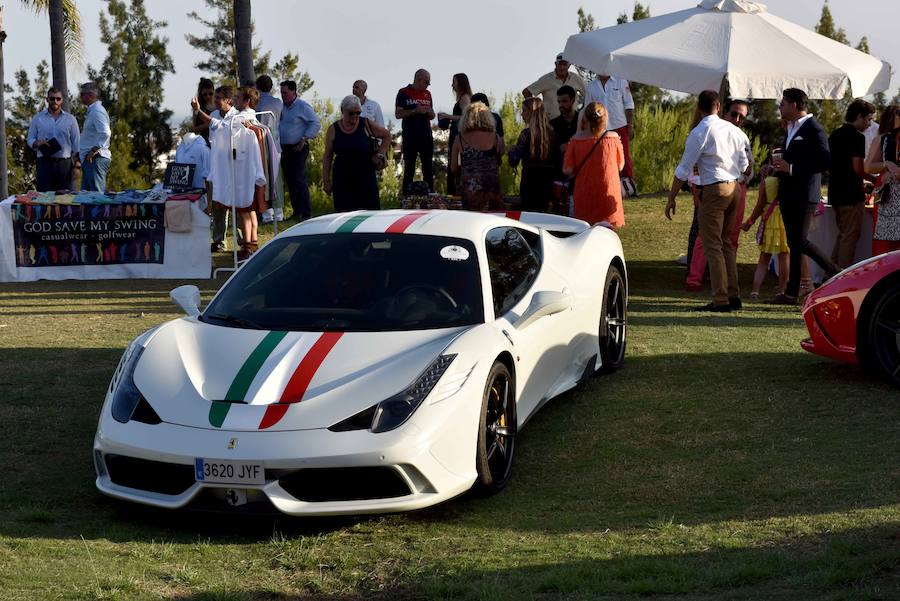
x,y
438,222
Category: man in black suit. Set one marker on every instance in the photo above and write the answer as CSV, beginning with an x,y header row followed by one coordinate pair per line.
x,y
804,158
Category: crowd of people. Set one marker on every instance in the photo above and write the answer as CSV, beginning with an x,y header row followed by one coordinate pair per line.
x,y
563,153
718,163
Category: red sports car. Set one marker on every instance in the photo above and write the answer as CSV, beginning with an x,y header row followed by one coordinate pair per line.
x,y
855,316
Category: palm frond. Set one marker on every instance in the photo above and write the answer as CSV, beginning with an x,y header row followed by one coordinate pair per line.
x,y
74,42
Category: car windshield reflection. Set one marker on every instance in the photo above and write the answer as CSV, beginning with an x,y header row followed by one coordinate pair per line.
x,y
354,282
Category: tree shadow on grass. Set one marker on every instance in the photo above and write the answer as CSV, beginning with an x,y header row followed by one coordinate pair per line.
x,y
852,564
696,438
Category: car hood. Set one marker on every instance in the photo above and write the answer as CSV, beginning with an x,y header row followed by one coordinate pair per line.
x,y
208,376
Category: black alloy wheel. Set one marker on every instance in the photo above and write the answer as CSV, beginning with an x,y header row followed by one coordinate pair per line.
x,y
496,432
613,317
882,341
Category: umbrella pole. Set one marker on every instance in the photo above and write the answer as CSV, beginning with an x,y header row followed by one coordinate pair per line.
x,y
724,90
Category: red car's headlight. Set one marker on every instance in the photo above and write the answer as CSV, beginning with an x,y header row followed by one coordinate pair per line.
x,y
835,318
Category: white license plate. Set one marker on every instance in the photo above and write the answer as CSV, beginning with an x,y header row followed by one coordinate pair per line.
x,y
220,471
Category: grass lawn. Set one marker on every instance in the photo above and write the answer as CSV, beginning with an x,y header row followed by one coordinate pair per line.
x,y
722,462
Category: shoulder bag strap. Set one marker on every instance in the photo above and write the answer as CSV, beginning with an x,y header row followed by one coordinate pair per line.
x,y
585,160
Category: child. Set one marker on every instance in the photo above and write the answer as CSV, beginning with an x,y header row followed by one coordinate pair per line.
x,y
774,239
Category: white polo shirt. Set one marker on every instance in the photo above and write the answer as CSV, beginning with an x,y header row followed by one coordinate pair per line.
x,y
371,110
615,96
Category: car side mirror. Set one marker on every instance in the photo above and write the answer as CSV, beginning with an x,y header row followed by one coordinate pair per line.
x,y
188,298
543,303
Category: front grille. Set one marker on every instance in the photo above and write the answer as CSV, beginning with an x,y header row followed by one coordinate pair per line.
x,y
152,476
344,484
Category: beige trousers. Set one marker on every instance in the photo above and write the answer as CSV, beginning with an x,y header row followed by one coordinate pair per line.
x,y
717,214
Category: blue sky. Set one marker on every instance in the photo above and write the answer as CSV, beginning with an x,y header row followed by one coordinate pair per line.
x,y
503,45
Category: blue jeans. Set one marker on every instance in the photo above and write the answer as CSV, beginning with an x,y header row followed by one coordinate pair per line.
x,y
93,174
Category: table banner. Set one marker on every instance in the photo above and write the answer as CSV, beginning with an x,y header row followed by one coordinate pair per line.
x,y
88,234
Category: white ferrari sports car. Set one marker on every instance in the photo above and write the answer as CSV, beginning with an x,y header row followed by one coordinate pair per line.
x,y
364,362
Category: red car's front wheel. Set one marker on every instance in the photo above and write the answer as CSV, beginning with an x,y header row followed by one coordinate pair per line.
x,y
880,345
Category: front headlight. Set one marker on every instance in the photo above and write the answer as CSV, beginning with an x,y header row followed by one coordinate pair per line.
x,y
393,412
125,395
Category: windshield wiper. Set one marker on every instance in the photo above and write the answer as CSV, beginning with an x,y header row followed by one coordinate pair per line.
x,y
235,321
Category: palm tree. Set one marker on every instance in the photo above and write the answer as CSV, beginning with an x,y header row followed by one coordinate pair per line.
x,y
65,40
243,42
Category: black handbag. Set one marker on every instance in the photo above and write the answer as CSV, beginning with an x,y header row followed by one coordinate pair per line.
x,y
375,147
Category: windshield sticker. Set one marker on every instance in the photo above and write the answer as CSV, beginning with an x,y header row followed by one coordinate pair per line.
x,y
454,253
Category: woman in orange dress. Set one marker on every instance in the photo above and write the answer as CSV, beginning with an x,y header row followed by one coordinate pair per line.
x,y
593,159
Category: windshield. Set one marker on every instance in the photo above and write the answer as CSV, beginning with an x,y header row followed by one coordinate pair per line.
x,y
354,282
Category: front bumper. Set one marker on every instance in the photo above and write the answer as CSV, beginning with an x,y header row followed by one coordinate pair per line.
x,y
414,468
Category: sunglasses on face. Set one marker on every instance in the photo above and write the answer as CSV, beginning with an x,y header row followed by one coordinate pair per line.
x,y
354,113
54,98
738,116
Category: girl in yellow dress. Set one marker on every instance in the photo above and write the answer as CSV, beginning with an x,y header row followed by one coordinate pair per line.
x,y
771,235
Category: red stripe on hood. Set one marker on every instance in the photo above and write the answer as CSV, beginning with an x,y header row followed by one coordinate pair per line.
x,y
399,226
299,382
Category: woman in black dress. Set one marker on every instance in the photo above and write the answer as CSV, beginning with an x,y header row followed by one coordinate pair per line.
x,y
463,92
349,145
537,150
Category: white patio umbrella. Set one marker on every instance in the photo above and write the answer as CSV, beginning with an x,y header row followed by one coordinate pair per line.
x,y
733,42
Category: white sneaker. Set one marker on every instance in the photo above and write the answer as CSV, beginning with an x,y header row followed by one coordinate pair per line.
x,y
279,214
268,216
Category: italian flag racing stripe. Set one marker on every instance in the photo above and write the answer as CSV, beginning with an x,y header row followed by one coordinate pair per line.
x,y
299,382
352,223
399,226
241,383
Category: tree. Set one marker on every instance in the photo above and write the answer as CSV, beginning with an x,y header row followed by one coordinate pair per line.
x,y
826,26
830,113
221,55
288,67
243,42
65,39
585,21
131,82
65,35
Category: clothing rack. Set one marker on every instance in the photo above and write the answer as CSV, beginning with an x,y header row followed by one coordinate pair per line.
x,y
234,251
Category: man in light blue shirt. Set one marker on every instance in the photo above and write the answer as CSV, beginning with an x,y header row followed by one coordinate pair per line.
x,y
95,135
298,124
53,134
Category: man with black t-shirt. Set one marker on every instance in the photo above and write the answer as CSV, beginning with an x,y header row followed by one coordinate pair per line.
x,y
415,110
566,124
846,194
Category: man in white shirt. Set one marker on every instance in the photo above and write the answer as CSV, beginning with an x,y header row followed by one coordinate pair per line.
x,y
615,94
548,84
53,134
217,123
94,140
371,110
718,149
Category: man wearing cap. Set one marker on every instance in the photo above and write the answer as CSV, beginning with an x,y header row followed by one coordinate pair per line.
x,y
548,84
